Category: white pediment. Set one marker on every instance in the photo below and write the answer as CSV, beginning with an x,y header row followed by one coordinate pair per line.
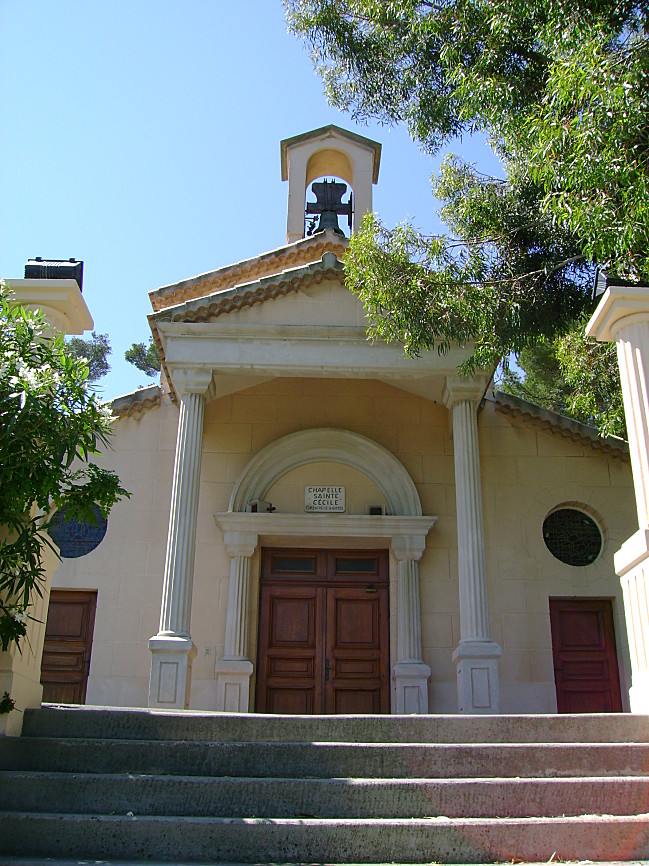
x,y
301,322
323,305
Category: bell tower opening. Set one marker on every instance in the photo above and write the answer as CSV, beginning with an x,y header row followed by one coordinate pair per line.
x,y
323,213
321,163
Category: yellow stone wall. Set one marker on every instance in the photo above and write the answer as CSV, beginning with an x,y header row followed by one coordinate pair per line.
x,y
526,472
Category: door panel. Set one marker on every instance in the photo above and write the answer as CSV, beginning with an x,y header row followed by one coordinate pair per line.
x,y
323,632
357,630
289,673
585,660
68,645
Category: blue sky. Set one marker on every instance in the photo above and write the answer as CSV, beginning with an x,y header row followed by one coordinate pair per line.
x,y
143,137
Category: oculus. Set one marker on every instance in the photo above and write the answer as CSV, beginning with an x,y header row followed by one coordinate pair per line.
x,y
74,537
572,536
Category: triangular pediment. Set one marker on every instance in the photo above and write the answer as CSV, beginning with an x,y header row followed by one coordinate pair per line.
x,y
314,294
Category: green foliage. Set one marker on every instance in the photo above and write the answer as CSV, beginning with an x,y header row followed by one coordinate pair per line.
x,y
6,704
572,375
50,425
562,92
592,375
95,350
145,358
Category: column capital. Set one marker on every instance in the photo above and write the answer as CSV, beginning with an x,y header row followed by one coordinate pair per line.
x,y
619,306
239,543
459,388
190,380
408,547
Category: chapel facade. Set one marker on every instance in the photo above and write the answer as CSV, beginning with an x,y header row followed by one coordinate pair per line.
x,y
320,524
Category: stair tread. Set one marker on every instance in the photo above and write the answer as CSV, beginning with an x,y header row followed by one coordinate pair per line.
x,y
222,789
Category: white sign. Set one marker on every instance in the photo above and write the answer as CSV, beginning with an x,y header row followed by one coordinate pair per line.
x,y
324,498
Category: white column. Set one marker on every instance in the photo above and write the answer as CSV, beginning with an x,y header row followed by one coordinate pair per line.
x,y
172,649
623,316
476,656
235,668
411,674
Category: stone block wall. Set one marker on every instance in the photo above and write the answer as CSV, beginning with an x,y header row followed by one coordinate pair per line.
x,y
526,472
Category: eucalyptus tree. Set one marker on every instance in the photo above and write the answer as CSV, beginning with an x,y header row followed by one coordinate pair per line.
x,y
561,90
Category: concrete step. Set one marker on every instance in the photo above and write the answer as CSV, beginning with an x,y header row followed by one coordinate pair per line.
x,y
324,760
254,840
145,724
119,794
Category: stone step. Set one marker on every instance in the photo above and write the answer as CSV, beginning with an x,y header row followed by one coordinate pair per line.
x,y
324,760
253,840
119,794
56,861
145,724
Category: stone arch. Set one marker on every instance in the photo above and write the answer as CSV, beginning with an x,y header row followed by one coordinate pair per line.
x,y
327,445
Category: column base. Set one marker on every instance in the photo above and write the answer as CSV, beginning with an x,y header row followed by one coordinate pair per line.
x,y
233,685
478,689
171,671
411,687
639,694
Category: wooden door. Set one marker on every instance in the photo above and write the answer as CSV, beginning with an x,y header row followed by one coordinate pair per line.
x,y
68,645
585,660
323,633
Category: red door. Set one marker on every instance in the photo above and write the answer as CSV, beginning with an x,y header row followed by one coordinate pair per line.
x,y
68,644
585,660
323,632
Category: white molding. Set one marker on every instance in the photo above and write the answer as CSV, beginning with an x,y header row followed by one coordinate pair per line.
x,y
239,527
327,445
60,301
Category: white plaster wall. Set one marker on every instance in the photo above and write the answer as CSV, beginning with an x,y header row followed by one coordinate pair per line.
x,y
526,472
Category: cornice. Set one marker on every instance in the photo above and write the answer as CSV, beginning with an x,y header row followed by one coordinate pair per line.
x,y
137,402
206,309
559,425
300,253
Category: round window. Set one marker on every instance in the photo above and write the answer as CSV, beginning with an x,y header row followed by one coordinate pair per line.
x,y
572,536
77,537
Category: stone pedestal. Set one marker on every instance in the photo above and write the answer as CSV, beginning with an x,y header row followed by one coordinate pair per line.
x,y
623,316
235,668
410,674
172,649
476,656
20,669
477,676
632,566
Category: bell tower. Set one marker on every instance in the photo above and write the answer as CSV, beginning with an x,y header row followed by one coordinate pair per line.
x,y
328,151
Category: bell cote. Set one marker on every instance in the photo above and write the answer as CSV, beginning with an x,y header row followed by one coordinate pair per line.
x,y
328,152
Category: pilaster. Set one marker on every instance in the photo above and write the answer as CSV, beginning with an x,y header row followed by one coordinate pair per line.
x,y
411,674
172,648
476,656
235,668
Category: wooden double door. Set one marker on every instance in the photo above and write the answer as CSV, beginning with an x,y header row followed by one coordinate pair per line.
x,y
323,632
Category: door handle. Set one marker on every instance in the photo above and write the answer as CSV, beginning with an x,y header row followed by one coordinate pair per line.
x,y
326,670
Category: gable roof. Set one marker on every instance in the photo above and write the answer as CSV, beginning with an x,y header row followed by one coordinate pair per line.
x,y
553,422
208,307
331,130
302,252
